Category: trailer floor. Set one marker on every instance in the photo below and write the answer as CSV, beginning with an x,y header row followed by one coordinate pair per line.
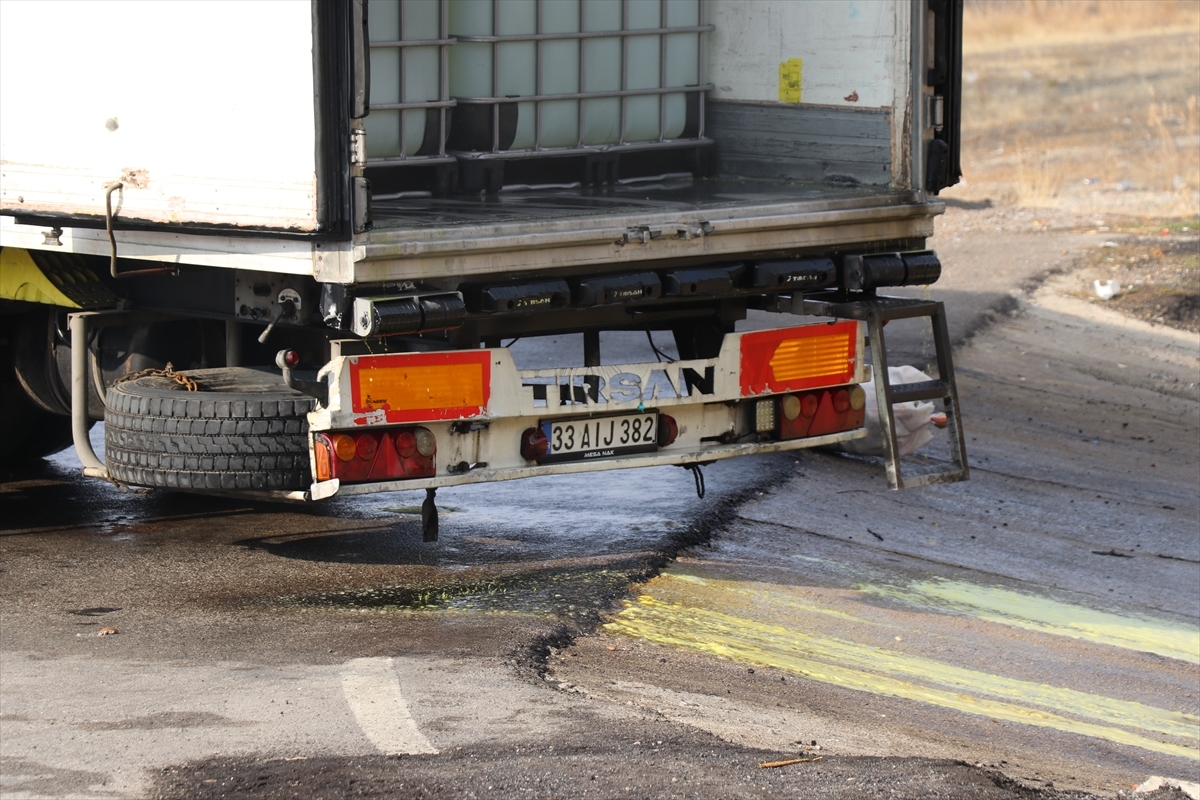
x,y
670,192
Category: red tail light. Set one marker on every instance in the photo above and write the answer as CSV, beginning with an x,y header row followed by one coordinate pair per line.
x,y
534,444
384,455
808,404
365,447
668,430
821,412
406,444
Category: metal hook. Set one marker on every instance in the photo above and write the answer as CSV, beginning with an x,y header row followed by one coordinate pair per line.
x,y
112,240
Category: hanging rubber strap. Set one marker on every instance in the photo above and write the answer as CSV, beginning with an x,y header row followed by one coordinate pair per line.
x,y
698,474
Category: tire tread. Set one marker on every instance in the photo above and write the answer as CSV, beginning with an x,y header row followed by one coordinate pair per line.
x,y
229,441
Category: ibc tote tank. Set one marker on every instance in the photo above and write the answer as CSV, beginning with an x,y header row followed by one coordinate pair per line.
x,y
407,82
559,53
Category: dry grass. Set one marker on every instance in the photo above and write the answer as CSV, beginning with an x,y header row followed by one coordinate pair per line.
x,y
998,24
1085,105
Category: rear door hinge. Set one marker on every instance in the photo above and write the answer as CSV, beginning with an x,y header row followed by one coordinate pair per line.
x,y
937,112
696,231
640,234
358,147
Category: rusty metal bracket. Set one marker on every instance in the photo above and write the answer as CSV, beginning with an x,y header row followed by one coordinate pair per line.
x,y
112,239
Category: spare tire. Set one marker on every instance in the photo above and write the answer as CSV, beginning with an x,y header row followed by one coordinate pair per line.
x,y
244,429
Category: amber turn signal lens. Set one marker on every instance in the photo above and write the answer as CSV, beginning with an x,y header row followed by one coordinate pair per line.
x,y
321,448
344,447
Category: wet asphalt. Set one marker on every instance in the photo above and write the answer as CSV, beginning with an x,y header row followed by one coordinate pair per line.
x,y
613,635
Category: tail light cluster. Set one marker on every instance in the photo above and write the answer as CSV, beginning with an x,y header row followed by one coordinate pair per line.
x,y
815,413
383,455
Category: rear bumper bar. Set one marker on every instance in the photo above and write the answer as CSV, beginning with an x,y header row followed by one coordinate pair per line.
x,y
478,405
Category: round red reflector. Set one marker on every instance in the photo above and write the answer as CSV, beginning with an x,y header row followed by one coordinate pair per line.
x,y
291,358
426,443
406,444
365,446
344,447
808,405
841,401
668,430
534,444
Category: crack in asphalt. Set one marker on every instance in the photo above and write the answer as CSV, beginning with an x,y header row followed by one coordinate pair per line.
x,y
531,658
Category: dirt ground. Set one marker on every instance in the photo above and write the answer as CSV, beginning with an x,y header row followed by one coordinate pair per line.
x,y
1089,107
1084,116
1158,275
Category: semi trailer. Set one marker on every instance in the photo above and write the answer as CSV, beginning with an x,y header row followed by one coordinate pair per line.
x,y
279,247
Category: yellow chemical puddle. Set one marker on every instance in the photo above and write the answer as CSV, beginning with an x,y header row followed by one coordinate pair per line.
x,y
1050,616
760,624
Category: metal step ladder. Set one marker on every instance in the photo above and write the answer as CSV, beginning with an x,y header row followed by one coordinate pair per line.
x,y
876,311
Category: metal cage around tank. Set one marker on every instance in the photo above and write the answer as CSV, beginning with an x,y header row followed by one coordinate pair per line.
x,y
690,128
400,32
472,81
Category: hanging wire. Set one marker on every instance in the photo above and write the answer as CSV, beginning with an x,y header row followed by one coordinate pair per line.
x,y
658,353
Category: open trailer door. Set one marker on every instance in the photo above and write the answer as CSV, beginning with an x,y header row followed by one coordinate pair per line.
x,y
255,141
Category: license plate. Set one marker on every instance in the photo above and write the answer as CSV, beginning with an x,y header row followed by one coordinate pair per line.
x,y
600,437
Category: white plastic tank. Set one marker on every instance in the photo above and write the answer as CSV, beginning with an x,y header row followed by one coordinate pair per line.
x,y
403,74
608,64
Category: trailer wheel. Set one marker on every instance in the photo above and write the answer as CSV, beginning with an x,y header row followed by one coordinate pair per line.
x,y
244,429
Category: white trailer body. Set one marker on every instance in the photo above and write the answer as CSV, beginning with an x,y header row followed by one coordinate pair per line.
x,y
366,176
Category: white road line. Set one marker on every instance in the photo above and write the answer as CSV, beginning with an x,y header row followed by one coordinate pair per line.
x,y
373,692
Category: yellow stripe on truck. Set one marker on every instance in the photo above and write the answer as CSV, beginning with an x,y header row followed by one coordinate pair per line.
x,y
20,279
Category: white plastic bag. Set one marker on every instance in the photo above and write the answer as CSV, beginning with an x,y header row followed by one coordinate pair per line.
x,y
913,419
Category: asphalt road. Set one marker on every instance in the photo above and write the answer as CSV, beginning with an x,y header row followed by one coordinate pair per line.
x,y
1031,633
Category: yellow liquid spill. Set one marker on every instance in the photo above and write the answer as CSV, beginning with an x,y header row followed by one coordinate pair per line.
x,y
1050,616
741,632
